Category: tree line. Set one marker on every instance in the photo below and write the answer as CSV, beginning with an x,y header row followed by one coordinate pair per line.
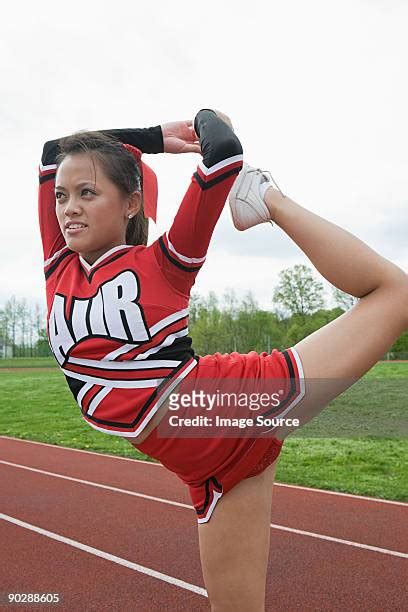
x,y
23,329
217,324
299,309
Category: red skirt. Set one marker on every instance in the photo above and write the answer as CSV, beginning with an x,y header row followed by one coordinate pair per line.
x,y
211,466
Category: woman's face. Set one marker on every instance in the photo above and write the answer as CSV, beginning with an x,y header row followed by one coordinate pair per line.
x,y
86,197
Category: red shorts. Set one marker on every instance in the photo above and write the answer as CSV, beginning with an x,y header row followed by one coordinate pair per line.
x,y
212,466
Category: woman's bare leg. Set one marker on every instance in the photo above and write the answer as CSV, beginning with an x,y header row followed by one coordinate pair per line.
x,y
234,546
349,346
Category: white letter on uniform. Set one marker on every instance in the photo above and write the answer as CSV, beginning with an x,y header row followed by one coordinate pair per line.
x,y
59,334
124,284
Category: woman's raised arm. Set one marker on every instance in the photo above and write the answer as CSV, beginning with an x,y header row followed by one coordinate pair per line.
x,y
182,250
172,137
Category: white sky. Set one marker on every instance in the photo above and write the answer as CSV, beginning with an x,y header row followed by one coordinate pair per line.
x,y
317,92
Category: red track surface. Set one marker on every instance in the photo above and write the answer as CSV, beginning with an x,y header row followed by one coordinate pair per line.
x,y
306,572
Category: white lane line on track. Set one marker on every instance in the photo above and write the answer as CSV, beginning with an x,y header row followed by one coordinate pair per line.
x,y
339,493
310,534
156,464
105,555
98,485
81,450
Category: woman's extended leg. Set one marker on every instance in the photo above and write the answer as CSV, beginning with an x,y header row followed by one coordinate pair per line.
x,y
338,354
342,351
234,546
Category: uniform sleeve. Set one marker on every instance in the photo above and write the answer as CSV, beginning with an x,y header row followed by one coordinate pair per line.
x,y
182,250
148,140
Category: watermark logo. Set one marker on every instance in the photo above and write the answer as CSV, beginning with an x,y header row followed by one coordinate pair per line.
x,y
229,408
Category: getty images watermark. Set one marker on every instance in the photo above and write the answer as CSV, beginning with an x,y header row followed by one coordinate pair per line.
x,y
209,402
237,411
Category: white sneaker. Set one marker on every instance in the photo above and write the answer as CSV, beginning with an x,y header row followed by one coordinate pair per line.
x,y
246,202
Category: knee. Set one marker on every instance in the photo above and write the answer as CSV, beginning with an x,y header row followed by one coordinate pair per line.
x,y
398,289
404,299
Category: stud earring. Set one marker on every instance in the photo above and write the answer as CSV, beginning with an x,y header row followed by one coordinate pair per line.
x,y
130,216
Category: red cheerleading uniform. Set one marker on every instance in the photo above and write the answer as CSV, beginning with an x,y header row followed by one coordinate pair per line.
x,y
119,328
211,466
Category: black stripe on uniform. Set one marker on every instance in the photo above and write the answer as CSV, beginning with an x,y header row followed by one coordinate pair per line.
x,y
175,261
57,263
289,364
47,177
292,391
74,384
176,350
208,184
203,508
148,403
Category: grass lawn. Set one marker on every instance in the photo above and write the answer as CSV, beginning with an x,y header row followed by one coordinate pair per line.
x,y
29,362
37,405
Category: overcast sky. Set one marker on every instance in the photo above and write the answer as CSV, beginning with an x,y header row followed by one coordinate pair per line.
x,y
317,92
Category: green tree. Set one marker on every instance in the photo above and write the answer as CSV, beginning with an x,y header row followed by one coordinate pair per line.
x,y
301,327
298,292
401,344
11,315
344,300
207,332
230,320
42,348
194,307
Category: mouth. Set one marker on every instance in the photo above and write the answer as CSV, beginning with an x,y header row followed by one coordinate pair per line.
x,y
75,228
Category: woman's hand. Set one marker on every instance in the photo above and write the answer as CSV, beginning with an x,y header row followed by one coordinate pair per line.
x,y
180,137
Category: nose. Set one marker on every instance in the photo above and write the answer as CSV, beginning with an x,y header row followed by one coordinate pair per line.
x,y
72,206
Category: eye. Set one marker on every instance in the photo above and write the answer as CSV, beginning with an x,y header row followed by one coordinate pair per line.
x,y
59,193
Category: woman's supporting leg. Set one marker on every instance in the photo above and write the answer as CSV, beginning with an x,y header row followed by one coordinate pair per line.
x,y
234,545
349,346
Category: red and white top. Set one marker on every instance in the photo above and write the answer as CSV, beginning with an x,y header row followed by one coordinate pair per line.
x,y
119,328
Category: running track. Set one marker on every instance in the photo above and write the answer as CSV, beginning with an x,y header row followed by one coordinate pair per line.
x,y
110,533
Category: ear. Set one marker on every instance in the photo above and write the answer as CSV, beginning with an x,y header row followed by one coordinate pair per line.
x,y
134,204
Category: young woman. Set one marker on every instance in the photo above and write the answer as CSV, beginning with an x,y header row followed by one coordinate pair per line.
x,y
118,316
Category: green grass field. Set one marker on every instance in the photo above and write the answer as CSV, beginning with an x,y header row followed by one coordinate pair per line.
x,y
29,362
357,445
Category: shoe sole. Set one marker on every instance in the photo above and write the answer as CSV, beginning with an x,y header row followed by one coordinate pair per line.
x,y
233,196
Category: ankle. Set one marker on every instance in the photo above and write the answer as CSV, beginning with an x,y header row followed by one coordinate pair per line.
x,y
273,198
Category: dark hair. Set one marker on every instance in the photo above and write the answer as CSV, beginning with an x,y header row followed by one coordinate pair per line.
x,y
118,164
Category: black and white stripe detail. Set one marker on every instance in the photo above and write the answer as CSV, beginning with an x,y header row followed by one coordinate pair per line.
x,y
146,413
297,386
141,362
209,177
213,492
177,261
154,331
50,171
51,264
